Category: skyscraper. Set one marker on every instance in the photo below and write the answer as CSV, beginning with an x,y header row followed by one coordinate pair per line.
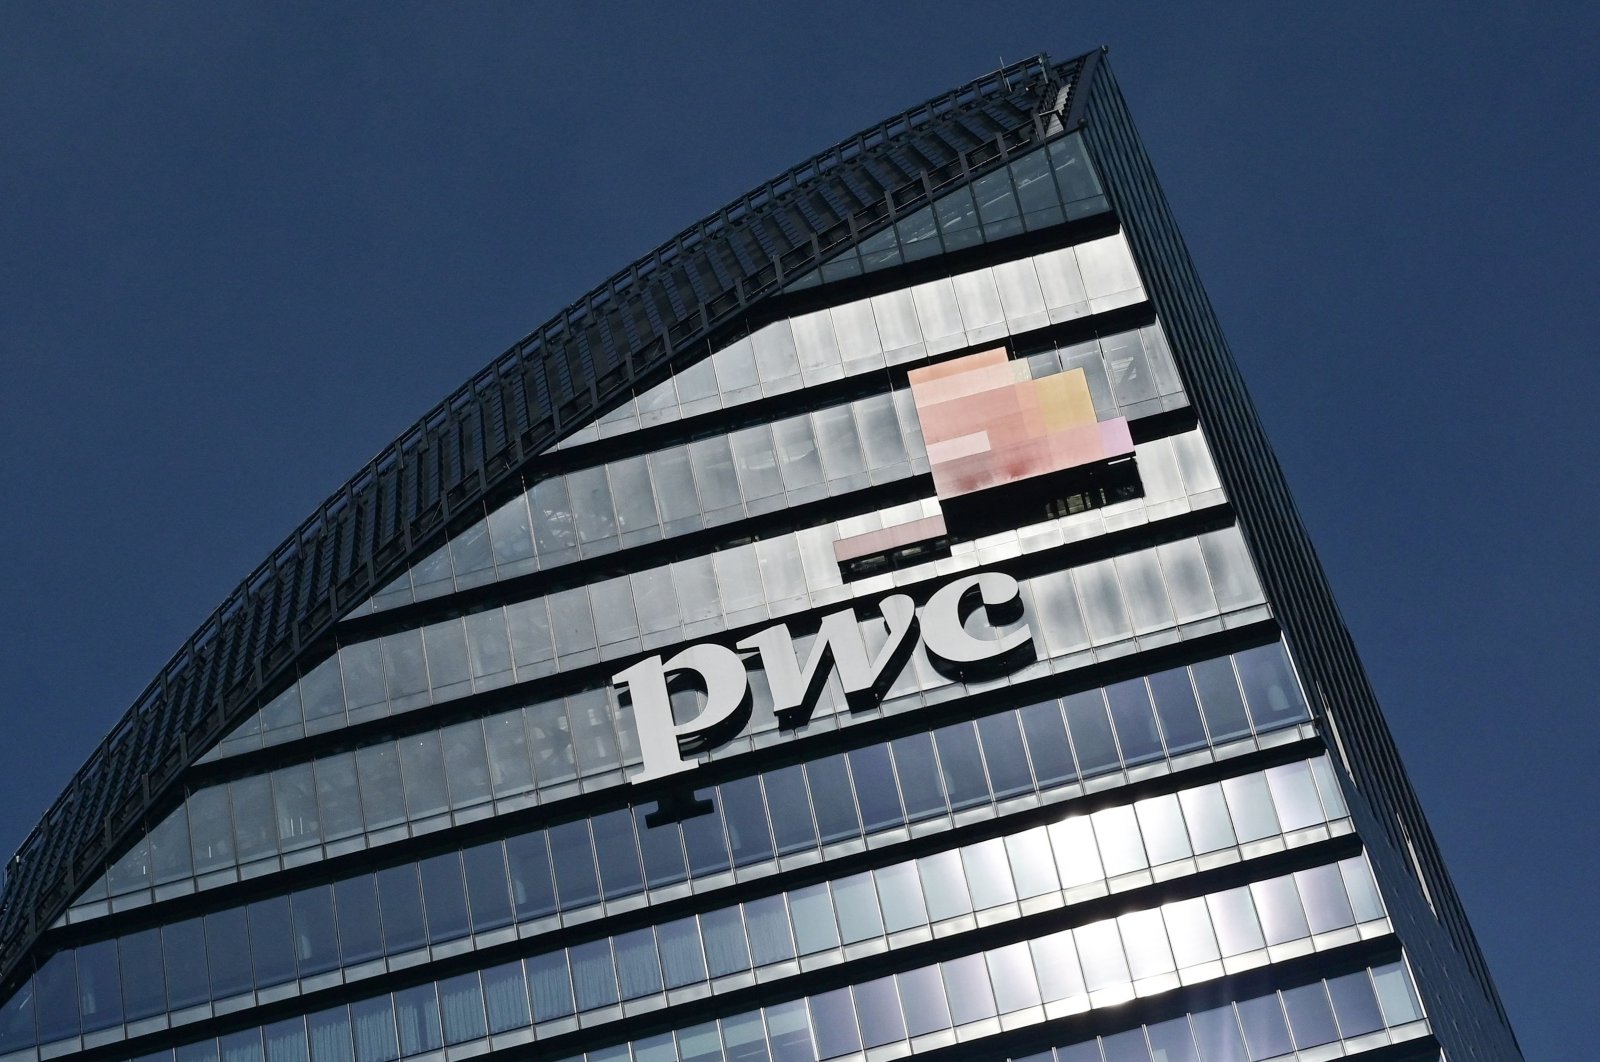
x,y
871,623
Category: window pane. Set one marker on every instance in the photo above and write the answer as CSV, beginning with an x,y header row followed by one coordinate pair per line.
x,y
1047,743
271,944
749,840
768,923
922,996
532,890
790,805
662,848
961,766
487,896
1278,904
316,939
505,996
593,980
360,925
1091,732
874,783
444,895
919,776
900,895
620,874
832,799
726,949
638,969
812,911
1264,1030
573,856
1004,755
878,1006
681,960
549,985
1135,721
1219,699
966,982
1354,1004
856,902
1310,1016
1269,686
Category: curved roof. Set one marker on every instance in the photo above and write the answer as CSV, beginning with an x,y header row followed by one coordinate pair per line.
x,y
662,309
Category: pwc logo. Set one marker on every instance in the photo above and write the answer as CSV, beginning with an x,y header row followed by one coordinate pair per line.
x,y
998,441
719,673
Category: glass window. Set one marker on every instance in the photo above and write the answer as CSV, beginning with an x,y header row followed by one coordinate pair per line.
x,y
790,807
1187,581
550,986
662,848
445,897
1117,832
704,841
1178,711
1128,1046
1270,687
874,782
714,475
1032,867
286,1040
1056,960
315,936
1354,1004
1011,975
466,763
56,992
183,944
1135,721
271,944
1310,1016
840,445
372,1022
681,960
1144,939
573,856
1219,699
833,1019
1091,732
726,948
485,867
634,497
919,776
1003,752
814,926
620,873
1363,891
944,883
856,902
99,1001
295,801
797,448
1294,792
227,953
592,513
1146,595
748,837
1102,602
1217,1033
1264,1029
1189,931
253,829
961,766
528,626
1278,904
831,797
594,981
360,924
755,458
878,1007
417,1018
330,1035
1250,802
1233,577
510,770
532,889
511,533
338,796
922,995
422,764
638,968
1047,743
1396,994
1206,813
1077,855
1057,613
900,897
461,1000
571,621
505,997
768,923
553,531
405,669
988,873
1161,823
551,736
880,432
1170,1041
1234,917
399,894
966,982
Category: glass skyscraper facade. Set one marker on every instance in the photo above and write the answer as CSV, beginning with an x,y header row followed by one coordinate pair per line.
x,y
871,624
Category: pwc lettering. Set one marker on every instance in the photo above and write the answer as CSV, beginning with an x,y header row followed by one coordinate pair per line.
x,y
718,673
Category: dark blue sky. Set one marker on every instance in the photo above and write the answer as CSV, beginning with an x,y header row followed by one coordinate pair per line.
x,y
243,247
